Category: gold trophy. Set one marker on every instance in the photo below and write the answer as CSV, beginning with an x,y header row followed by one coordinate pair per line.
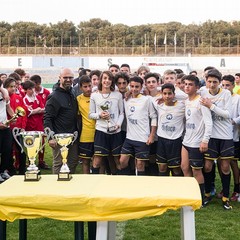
x,y
111,126
64,139
19,112
32,143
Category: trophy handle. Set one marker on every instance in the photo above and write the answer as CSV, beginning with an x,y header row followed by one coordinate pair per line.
x,y
75,135
47,133
16,132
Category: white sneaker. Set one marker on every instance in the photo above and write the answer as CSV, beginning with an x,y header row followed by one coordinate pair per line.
x,y
5,175
1,179
238,198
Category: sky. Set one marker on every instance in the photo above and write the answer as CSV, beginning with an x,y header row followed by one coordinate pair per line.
x,y
128,12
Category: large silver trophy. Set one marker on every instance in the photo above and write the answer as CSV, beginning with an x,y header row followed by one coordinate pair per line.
x,y
111,126
32,143
65,139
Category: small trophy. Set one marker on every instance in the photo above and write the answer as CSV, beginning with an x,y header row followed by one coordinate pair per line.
x,y
32,142
111,126
64,139
19,112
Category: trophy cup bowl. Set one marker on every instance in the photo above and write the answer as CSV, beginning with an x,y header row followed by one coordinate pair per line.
x,y
111,126
32,143
19,112
64,139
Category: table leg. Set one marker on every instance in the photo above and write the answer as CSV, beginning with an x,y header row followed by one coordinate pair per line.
x,y
187,223
102,230
78,230
92,228
23,229
3,230
112,230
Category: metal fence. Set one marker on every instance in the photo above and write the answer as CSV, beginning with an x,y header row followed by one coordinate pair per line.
x,y
127,50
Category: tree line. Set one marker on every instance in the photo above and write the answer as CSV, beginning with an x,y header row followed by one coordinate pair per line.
x,y
97,34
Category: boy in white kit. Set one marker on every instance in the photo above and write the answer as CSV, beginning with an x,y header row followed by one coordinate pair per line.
x,y
221,146
138,110
197,133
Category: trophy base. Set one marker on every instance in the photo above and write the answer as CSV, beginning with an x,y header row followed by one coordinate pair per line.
x,y
32,176
64,176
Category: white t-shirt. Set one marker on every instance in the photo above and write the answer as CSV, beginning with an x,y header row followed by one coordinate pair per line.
x,y
114,102
221,114
139,113
198,123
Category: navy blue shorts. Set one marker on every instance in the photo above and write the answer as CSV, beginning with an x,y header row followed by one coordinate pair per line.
x,y
196,158
169,152
236,151
86,150
104,143
135,148
219,148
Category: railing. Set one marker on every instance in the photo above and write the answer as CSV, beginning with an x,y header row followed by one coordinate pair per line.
x,y
133,50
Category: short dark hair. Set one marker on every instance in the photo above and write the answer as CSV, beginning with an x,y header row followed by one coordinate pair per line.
x,y
193,78
36,79
229,78
95,72
28,85
168,86
84,79
125,65
178,70
214,73
150,74
121,75
21,72
136,79
237,74
15,75
8,81
114,65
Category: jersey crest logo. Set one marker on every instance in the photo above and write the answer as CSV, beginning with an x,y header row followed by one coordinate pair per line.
x,y
188,112
169,116
132,109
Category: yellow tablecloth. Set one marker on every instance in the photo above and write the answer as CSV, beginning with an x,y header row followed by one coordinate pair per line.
x,y
96,197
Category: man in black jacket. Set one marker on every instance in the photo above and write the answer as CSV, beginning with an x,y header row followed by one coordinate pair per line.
x,y
61,117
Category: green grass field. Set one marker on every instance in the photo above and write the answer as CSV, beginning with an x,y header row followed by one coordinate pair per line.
x,y
212,222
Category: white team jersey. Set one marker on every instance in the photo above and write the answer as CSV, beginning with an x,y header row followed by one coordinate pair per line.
x,y
114,103
236,116
221,114
198,123
138,113
3,112
170,120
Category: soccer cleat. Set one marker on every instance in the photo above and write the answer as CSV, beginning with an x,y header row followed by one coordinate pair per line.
x,y
5,175
234,196
206,200
220,195
226,205
1,179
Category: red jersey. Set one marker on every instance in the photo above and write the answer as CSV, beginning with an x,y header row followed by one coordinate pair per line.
x,y
34,121
15,101
43,94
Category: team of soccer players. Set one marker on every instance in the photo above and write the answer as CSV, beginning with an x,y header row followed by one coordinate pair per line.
x,y
132,124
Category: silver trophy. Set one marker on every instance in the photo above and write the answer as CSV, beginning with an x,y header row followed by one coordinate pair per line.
x,y
32,143
111,126
64,139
